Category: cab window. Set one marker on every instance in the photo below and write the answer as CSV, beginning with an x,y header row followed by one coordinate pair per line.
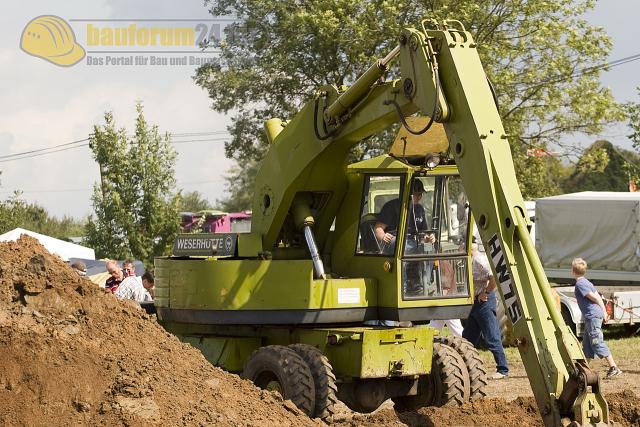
x,y
381,194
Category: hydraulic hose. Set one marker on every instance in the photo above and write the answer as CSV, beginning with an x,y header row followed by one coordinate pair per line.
x,y
313,249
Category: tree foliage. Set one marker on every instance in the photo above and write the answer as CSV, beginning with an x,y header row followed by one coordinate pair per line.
x,y
633,114
135,204
546,175
240,181
602,167
194,201
16,212
535,52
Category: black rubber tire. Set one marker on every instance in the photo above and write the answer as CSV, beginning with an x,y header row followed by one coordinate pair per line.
x,y
446,385
477,371
373,391
288,369
451,376
324,381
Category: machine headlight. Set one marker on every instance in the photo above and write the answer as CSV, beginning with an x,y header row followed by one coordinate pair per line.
x,y
432,160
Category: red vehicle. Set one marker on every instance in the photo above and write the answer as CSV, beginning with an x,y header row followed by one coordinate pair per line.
x,y
214,221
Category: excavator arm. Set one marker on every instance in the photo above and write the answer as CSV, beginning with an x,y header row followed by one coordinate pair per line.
x,y
303,181
563,384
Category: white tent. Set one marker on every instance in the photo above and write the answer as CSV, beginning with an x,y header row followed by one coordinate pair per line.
x,y
63,249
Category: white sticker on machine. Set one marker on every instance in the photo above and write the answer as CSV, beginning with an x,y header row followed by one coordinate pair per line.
x,y
348,295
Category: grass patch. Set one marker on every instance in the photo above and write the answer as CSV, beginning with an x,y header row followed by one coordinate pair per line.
x,y
622,346
512,353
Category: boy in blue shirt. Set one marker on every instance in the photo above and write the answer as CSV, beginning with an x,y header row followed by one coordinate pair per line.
x,y
593,313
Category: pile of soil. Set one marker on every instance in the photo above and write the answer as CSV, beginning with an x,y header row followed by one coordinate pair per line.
x,y
521,412
75,355
624,409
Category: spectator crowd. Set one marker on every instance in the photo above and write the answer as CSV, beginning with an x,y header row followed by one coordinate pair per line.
x,y
123,281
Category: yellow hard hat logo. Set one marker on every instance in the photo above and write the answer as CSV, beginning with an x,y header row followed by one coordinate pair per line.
x,y
51,38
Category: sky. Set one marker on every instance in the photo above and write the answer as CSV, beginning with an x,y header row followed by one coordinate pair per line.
x,y
44,105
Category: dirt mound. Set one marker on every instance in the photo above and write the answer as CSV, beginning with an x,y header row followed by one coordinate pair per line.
x,y
521,412
74,355
624,408
486,412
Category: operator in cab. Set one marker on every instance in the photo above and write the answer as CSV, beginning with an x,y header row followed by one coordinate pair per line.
x,y
387,225
417,275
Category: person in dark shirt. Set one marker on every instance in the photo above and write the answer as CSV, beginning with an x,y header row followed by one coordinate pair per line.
x,y
594,313
387,225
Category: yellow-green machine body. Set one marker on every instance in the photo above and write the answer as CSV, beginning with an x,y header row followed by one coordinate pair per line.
x,y
314,269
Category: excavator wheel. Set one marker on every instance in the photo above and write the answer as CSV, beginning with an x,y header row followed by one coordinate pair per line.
x,y
323,379
451,376
281,369
477,371
447,384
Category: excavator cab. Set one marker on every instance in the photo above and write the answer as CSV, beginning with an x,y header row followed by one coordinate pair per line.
x,y
433,249
412,237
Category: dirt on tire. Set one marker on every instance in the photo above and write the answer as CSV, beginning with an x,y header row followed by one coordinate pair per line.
x,y
286,368
323,378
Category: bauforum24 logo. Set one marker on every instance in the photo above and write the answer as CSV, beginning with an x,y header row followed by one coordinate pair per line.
x,y
51,38
119,41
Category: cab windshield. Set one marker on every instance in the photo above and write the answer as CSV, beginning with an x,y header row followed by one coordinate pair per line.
x,y
434,258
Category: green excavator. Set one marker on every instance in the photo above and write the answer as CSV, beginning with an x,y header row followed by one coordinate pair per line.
x,y
329,296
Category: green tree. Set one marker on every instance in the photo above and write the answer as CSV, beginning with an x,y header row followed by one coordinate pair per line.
x,y
602,167
136,203
16,212
240,180
194,201
535,52
546,175
633,114
12,211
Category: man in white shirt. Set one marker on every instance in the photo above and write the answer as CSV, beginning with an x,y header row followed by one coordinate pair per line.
x,y
482,319
132,288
